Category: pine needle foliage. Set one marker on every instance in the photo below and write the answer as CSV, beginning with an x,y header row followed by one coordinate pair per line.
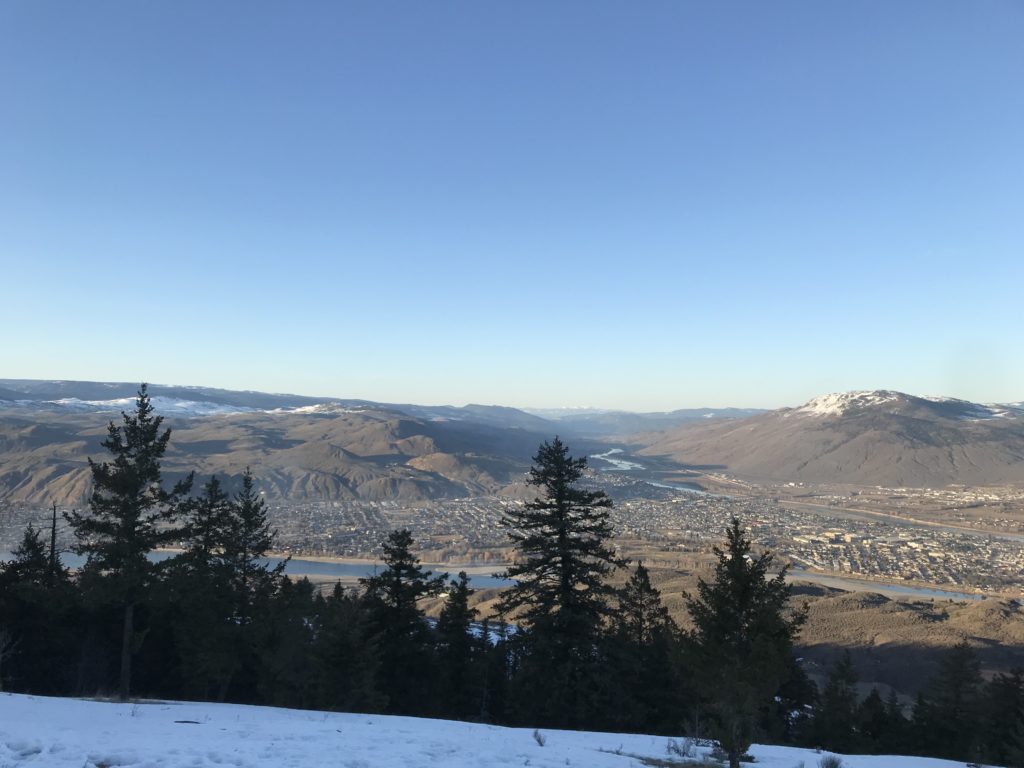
x,y
742,640
563,556
561,542
130,514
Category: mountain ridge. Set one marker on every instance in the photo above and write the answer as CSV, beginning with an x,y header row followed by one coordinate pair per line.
x,y
879,437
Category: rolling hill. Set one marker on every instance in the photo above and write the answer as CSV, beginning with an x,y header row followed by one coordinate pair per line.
x,y
880,438
301,448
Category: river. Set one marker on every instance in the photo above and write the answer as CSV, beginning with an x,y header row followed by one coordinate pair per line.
x,y
480,576
884,588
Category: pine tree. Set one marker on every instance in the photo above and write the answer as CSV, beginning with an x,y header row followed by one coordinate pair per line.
x,y
130,514
31,563
38,611
872,723
787,718
245,541
457,653
1003,719
403,635
641,616
209,522
346,657
742,640
20,583
646,694
563,559
200,594
834,719
897,735
283,668
947,715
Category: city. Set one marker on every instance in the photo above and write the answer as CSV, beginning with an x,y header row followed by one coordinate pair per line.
x,y
827,532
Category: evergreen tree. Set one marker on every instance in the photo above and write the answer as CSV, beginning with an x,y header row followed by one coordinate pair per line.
x,y
243,538
787,718
208,526
245,541
563,557
834,718
947,716
346,656
641,617
31,563
130,514
403,635
742,640
457,652
872,723
646,690
8,646
896,738
199,592
38,615
494,651
20,580
1003,719
282,670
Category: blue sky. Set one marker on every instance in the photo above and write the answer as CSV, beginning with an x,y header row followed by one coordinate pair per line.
x,y
644,206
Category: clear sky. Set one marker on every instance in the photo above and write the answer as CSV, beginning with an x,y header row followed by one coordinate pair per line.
x,y
640,205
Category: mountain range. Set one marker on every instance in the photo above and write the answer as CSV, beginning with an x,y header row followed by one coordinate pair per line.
x,y
325,448
881,438
301,448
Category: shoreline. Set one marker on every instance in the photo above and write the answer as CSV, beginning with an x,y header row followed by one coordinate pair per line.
x,y
842,582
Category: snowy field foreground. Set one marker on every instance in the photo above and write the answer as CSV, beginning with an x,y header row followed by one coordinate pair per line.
x,y
38,732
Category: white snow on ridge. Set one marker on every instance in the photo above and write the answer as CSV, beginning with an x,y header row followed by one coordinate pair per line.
x,y
980,411
316,408
838,403
75,733
171,406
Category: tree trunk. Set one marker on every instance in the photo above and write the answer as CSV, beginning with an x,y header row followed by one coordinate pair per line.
x,y
7,646
127,635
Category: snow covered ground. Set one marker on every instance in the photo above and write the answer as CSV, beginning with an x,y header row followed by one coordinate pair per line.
x,y
39,732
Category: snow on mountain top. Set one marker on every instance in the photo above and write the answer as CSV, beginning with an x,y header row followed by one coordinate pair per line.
x,y
175,406
171,406
319,408
72,733
839,403
977,411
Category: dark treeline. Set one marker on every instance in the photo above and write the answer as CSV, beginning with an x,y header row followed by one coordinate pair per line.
x,y
213,623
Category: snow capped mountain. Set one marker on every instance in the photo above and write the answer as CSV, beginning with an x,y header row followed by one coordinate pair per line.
x,y
838,403
879,437
883,400
169,406
318,408
976,411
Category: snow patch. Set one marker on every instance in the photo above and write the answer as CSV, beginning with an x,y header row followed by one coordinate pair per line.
x,y
75,733
969,411
169,406
838,403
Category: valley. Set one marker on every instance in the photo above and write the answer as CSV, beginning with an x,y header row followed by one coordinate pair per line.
x,y
338,476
